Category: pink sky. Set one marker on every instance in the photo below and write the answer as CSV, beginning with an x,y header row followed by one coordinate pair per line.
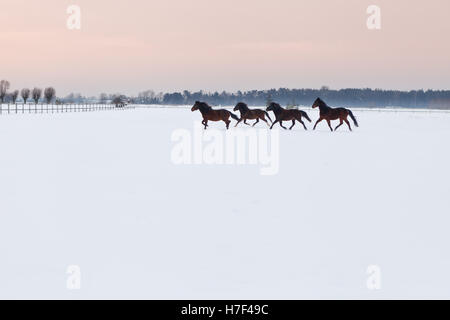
x,y
171,45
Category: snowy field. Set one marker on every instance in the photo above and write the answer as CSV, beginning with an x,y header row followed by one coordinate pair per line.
x,y
100,191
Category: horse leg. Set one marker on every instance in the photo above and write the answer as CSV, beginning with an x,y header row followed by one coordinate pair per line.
x,y
257,120
263,119
317,122
329,124
348,123
238,122
227,122
340,124
281,125
205,122
245,121
273,124
301,121
293,124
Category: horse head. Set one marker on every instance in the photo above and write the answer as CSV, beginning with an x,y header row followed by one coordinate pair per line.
x,y
318,103
197,106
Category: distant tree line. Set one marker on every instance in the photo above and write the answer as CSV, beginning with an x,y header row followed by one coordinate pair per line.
x,y
287,97
305,97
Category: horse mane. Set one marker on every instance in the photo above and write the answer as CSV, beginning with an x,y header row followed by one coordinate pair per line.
x,y
275,105
202,106
321,102
243,105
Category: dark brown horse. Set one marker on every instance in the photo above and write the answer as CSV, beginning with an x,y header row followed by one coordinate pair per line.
x,y
209,114
251,114
329,114
282,114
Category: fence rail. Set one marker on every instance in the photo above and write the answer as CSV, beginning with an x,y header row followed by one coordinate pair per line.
x,y
20,108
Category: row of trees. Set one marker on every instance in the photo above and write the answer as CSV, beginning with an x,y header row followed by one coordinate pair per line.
x,y
35,94
284,96
103,98
294,97
289,97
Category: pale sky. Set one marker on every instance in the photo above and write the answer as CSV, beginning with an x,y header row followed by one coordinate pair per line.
x,y
172,45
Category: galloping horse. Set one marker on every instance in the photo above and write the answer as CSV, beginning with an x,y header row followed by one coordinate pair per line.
x,y
282,114
329,114
251,114
209,113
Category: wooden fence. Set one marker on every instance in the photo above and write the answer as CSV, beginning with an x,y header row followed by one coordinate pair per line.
x,y
20,108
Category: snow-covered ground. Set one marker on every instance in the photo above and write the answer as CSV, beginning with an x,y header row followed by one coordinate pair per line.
x,y
100,191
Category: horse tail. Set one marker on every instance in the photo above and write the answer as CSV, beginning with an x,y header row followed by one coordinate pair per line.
x,y
304,114
353,117
267,115
235,117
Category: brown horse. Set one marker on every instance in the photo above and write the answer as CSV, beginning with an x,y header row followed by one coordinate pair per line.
x,y
251,114
329,114
282,114
209,114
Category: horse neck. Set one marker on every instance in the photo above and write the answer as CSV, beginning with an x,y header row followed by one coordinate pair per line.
x,y
323,107
204,109
244,110
277,110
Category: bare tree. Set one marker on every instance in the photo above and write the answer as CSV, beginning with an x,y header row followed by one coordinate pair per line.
x,y
14,96
117,101
103,98
25,94
147,96
36,94
4,86
49,94
120,101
